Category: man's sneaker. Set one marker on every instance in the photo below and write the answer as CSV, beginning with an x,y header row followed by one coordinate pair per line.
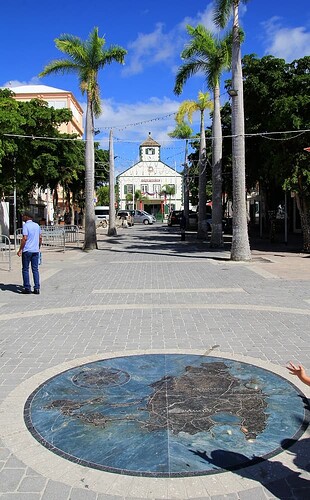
x,y
26,291
36,291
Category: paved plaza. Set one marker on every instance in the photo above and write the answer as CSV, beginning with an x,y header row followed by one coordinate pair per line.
x,y
147,293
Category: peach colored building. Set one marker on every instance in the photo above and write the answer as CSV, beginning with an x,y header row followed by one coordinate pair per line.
x,y
58,99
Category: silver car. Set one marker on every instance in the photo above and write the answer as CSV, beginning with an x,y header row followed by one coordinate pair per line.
x,y
142,217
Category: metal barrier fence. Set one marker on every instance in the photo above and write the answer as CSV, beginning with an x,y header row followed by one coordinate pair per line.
x,y
17,238
5,252
54,236
72,234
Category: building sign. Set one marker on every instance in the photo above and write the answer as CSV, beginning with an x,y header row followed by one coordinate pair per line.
x,y
150,180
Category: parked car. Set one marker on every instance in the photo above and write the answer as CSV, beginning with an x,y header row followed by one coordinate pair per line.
x,y
126,214
102,215
174,218
142,217
193,222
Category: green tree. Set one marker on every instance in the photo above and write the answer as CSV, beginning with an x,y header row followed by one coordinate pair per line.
x,y
240,248
207,54
187,108
103,197
277,98
168,190
33,153
86,59
138,197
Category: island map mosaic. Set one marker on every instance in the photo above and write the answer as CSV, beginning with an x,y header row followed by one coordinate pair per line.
x,y
165,414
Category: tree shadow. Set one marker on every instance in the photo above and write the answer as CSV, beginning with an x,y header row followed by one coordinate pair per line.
x,y
167,241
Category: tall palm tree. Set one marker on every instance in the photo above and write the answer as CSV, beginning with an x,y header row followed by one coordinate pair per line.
x,y
188,108
86,58
240,248
184,131
207,54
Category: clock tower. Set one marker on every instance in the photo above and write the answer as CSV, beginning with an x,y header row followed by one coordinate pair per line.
x,y
149,150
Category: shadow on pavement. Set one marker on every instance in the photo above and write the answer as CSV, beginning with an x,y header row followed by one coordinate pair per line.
x,y
164,240
281,481
11,288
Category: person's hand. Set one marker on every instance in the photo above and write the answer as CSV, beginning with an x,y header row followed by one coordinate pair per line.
x,y
19,253
299,370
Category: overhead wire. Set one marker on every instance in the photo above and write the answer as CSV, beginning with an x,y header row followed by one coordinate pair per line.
x,y
196,139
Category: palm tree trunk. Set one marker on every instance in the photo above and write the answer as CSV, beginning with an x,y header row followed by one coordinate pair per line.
x,y
90,241
202,232
112,229
186,186
240,248
217,233
303,205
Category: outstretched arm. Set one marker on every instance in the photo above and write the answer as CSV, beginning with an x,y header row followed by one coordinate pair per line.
x,y
299,371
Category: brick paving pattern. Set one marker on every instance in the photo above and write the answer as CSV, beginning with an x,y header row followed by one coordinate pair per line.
x,y
147,291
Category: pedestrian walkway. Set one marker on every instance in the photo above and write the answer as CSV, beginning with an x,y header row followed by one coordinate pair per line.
x,y
146,293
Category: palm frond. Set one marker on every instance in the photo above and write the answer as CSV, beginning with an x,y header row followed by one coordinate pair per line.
x,y
187,108
59,66
182,131
222,12
186,71
204,101
73,46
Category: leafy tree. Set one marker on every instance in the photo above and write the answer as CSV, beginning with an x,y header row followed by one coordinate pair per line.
x,y
187,108
86,58
276,96
10,123
103,196
207,54
240,248
35,153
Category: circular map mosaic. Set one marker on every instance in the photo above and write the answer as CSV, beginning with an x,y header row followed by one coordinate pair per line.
x,y
165,414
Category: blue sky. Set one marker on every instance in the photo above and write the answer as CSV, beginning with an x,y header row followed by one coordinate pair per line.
x,y
138,98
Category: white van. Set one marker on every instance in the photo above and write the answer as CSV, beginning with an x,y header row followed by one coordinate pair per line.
x,y
102,213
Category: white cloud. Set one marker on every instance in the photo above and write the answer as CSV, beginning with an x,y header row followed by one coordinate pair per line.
x,y
286,43
16,83
131,124
133,121
148,49
163,47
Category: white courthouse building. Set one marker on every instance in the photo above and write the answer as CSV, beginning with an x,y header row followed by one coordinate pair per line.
x,y
150,176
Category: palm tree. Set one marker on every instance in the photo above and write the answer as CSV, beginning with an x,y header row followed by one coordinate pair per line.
x,y
86,58
138,197
188,108
206,54
240,248
168,190
184,131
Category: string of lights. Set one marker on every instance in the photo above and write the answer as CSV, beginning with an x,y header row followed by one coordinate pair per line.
x,y
35,137
130,125
196,139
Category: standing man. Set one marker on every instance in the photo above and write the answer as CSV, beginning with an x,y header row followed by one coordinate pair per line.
x,y
30,250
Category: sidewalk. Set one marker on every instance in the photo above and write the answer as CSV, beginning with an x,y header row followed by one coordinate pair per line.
x,y
146,292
